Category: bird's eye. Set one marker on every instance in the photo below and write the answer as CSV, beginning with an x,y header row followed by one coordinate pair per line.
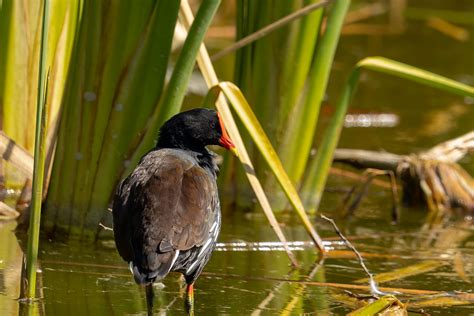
x,y
213,125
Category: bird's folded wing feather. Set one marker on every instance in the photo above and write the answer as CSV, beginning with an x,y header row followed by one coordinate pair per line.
x,y
169,207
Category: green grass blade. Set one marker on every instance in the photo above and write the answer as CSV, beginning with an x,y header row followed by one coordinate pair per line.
x,y
296,144
246,115
39,161
298,62
397,69
137,86
319,168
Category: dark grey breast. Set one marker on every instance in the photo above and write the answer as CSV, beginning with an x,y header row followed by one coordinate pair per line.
x,y
166,206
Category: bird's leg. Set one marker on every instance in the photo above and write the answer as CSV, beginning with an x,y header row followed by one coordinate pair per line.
x,y
189,303
149,298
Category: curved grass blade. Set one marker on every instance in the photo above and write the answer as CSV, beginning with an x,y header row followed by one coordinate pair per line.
x,y
401,70
319,169
210,76
251,123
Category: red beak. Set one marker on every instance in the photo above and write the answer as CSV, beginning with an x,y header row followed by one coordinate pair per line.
x,y
225,141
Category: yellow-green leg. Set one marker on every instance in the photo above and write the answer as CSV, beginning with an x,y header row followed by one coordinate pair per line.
x,y
189,303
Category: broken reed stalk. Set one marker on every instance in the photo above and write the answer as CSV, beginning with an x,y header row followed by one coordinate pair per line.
x,y
7,213
374,290
19,157
39,162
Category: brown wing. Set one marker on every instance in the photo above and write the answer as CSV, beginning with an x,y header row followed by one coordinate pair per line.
x,y
169,207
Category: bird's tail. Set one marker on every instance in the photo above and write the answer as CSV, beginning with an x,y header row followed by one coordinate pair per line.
x,y
142,277
145,277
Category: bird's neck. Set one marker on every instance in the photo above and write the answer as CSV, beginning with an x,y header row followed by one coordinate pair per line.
x,y
180,143
204,157
206,160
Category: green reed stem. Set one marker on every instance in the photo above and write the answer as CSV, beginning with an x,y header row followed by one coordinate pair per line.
x,y
296,145
39,161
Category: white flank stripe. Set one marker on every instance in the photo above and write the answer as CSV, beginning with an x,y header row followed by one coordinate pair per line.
x,y
204,247
213,226
174,260
191,266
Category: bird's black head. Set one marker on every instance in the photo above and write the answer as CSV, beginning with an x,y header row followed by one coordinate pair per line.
x,y
194,129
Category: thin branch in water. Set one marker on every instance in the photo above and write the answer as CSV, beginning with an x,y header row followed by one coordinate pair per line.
x,y
166,309
372,284
270,28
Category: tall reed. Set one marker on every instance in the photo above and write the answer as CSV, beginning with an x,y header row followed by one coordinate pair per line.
x,y
120,58
39,160
284,76
20,37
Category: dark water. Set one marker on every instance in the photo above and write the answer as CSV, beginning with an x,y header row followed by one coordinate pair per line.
x,y
85,280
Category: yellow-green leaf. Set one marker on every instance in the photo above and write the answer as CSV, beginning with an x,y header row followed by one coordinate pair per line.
x,y
395,68
251,123
387,305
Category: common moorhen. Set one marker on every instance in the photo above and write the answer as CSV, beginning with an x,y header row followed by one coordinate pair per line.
x,y
166,212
